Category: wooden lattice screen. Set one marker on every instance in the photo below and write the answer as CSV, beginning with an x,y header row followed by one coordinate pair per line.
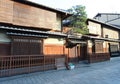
x,y
114,48
99,47
26,46
26,57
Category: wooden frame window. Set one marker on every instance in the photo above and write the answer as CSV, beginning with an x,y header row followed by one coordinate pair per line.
x,y
98,47
114,48
26,46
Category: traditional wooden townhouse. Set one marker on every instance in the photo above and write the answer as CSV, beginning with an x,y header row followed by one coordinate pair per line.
x,y
31,37
103,41
76,46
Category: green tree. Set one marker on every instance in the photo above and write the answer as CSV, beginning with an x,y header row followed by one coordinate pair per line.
x,y
77,21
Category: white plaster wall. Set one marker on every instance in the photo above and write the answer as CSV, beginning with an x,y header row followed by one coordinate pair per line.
x,y
4,38
90,44
58,23
111,33
54,41
94,28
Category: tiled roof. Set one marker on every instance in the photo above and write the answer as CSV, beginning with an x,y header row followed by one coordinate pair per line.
x,y
18,29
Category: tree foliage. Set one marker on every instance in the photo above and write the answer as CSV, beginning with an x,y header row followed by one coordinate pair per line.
x,y
78,19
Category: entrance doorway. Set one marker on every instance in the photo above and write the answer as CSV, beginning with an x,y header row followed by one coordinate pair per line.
x,y
82,51
114,50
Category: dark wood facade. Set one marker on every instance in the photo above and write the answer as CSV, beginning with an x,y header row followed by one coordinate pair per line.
x,y
5,49
106,42
23,14
26,15
27,25
6,9
26,45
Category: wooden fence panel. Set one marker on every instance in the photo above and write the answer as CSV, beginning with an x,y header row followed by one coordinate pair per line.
x,y
21,64
98,57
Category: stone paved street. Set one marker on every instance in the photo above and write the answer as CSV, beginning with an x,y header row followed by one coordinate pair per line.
x,y
97,73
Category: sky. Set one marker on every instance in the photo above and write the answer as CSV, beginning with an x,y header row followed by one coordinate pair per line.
x,y
92,6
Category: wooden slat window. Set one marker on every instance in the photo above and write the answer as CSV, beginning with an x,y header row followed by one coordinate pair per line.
x,y
4,49
114,48
26,46
98,47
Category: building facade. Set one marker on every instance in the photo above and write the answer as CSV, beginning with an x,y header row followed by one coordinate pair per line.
x,y
76,46
31,37
103,39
